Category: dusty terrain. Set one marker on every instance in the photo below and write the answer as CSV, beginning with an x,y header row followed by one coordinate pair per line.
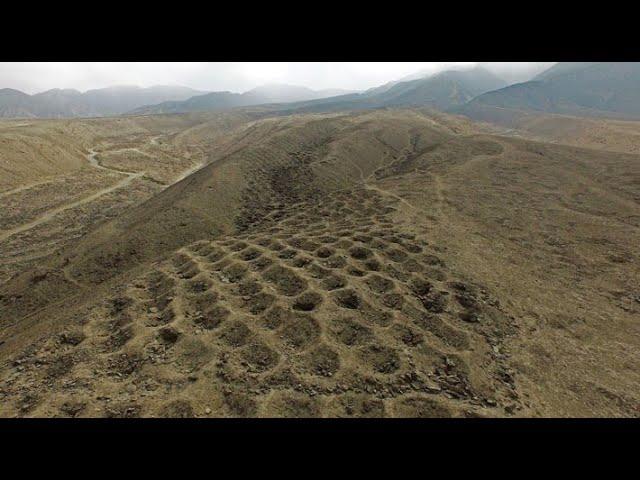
x,y
390,263
61,178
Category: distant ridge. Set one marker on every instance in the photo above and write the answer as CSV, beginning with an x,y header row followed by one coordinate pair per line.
x,y
265,94
441,91
607,89
65,103
14,103
562,68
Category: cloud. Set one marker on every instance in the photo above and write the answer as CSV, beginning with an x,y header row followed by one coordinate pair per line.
x,y
33,77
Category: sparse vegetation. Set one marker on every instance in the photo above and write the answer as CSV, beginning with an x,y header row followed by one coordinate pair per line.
x,y
381,263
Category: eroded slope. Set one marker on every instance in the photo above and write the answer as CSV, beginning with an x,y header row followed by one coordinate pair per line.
x,y
378,264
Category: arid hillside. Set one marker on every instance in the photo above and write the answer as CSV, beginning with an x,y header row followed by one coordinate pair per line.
x,y
387,263
60,178
602,134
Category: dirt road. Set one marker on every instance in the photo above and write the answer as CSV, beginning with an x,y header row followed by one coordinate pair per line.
x,y
94,162
91,157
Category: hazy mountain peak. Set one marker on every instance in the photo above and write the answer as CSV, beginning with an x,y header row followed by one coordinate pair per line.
x,y
273,93
59,91
562,68
281,93
64,102
12,91
593,89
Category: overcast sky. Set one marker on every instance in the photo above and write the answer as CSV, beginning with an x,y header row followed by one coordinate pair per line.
x,y
35,77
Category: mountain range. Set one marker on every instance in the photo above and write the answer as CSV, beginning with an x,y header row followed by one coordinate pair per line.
x,y
440,91
267,94
61,103
607,89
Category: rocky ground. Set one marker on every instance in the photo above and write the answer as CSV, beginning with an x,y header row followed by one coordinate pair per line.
x,y
383,264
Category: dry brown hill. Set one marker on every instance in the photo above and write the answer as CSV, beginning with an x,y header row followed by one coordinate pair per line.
x,y
602,134
98,169
388,263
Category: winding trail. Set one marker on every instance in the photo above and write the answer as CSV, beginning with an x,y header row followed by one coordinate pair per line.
x,y
365,183
93,161
91,157
24,187
387,193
